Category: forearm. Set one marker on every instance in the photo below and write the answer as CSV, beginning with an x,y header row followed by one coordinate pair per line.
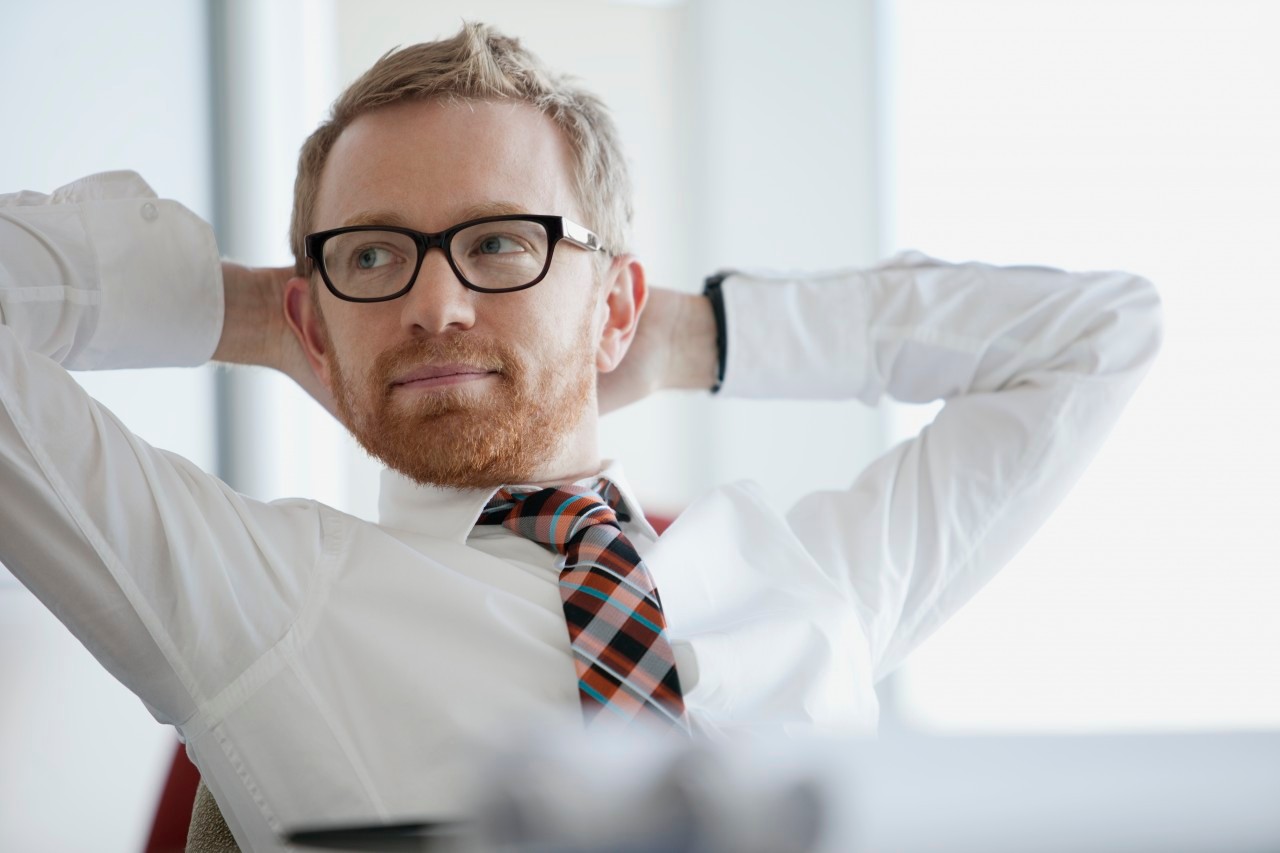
x,y
257,332
694,361
253,323
674,348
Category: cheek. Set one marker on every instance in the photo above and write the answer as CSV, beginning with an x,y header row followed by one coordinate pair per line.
x,y
356,340
565,321
561,341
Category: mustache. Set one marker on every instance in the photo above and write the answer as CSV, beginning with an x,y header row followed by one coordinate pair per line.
x,y
452,349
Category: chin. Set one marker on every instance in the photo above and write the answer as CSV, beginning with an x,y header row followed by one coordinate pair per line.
x,y
461,448
508,432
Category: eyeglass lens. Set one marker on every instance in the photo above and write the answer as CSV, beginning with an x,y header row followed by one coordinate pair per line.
x,y
489,255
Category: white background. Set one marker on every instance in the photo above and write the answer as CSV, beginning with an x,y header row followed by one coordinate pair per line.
x,y
1139,135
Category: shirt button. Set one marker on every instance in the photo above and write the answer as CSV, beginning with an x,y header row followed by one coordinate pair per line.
x,y
149,212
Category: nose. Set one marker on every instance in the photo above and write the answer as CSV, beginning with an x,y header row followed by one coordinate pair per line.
x,y
437,302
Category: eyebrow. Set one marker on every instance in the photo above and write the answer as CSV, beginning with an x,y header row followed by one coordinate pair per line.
x,y
376,217
492,208
391,217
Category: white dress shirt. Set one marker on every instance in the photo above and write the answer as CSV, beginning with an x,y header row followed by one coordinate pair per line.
x,y
323,668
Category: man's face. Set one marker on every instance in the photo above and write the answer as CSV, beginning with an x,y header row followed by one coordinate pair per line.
x,y
445,384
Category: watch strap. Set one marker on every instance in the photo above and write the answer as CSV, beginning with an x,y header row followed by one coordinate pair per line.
x,y
711,290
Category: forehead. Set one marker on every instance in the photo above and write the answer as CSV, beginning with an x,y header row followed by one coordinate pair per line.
x,y
431,163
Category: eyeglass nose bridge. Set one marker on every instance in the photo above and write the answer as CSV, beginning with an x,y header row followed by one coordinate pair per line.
x,y
442,240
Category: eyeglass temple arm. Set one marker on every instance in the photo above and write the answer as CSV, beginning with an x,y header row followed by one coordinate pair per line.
x,y
579,236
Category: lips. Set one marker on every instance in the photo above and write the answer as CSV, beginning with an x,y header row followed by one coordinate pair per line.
x,y
429,372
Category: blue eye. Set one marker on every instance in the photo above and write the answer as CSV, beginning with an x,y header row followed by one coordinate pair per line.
x,y
497,244
372,256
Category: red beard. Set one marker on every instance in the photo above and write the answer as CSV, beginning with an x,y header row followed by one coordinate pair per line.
x,y
503,434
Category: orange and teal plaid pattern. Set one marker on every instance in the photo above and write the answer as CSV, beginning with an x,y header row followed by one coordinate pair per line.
x,y
626,670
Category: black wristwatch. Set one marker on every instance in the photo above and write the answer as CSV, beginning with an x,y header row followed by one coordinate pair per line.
x,y
711,290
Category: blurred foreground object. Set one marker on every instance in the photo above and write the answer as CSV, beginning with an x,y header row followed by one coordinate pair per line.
x,y
571,793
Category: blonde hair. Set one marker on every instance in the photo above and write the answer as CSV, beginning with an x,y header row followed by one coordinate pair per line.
x,y
479,63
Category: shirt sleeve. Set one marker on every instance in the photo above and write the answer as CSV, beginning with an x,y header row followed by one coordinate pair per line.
x,y
169,577
102,274
1034,366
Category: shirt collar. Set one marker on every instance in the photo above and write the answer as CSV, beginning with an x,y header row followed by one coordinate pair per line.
x,y
448,513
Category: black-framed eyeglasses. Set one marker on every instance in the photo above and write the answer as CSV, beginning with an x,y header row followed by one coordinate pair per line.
x,y
495,254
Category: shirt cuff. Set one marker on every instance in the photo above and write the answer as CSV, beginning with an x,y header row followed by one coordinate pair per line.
x,y
161,281
795,337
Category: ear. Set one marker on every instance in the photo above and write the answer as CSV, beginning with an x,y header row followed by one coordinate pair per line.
x,y
625,296
307,324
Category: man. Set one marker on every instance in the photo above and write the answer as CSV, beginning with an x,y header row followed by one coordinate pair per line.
x,y
463,300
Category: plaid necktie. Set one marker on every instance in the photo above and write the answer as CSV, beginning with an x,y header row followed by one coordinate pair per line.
x,y
616,628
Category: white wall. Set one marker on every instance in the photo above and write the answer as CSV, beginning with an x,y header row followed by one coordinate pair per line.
x,y
1138,135
91,86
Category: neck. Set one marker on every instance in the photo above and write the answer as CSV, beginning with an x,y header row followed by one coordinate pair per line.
x,y
577,459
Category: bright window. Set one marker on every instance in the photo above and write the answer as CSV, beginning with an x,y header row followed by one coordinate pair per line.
x,y
1142,135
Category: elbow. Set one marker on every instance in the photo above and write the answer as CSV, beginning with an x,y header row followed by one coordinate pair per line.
x,y
1125,332
1141,313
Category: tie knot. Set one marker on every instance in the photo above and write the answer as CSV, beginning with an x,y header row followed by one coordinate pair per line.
x,y
556,516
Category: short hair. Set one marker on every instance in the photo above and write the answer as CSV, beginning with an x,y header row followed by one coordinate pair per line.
x,y
479,63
